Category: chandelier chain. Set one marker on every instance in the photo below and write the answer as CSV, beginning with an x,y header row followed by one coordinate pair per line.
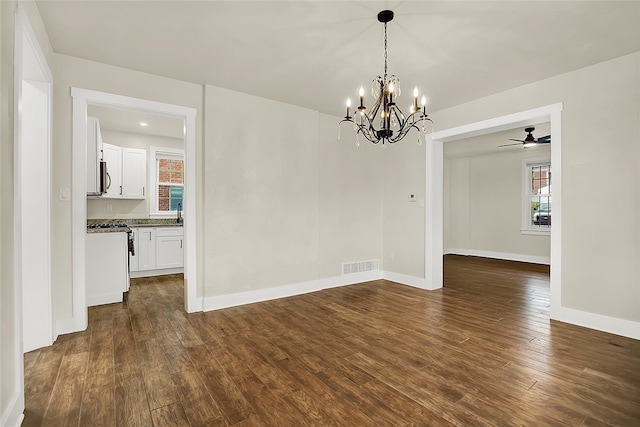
x,y
385,52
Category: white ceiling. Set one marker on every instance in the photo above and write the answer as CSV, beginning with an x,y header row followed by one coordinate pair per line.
x,y
488,144
317,53
121,120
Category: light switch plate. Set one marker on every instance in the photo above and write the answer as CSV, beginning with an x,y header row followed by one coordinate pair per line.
x,y
65,194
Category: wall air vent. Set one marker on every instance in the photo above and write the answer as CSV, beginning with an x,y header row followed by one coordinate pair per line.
x,y
360,266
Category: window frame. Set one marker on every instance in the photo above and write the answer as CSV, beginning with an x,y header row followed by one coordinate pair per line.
x,y
526,226
170,153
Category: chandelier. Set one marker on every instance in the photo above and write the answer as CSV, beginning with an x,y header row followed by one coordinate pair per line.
x,y
385,122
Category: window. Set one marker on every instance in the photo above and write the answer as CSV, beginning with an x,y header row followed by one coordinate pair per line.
x,y
536,196
167,172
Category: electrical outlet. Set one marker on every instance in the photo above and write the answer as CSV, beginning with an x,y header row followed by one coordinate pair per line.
x,y
109,207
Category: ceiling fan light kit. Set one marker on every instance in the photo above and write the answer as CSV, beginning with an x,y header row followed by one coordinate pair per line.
x,y
530,140
385,122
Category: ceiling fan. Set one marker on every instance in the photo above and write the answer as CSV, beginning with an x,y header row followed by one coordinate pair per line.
x,y
530,140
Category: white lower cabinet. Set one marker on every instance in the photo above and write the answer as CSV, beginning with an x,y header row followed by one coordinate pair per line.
x,y
169,247
146,248
106,267
158,250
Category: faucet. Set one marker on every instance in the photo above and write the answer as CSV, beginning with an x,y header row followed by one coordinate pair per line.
x,y
179,213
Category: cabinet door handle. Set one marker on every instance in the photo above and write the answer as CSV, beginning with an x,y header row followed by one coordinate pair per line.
x,y
143,191
121,190
180,243
149,236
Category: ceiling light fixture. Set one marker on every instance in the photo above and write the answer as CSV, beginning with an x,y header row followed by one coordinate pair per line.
x,y
392,123
143,124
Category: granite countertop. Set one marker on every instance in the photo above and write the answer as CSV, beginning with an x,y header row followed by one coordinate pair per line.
x,y
131,223
108,230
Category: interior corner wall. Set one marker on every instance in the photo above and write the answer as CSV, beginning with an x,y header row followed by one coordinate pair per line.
x,y
285,203
483,206
74,72
600,173
350,197
404,220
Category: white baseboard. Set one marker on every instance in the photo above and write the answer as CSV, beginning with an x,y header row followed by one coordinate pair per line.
x,y
250,297
612,325
533,259
153,273
416,282
104,299
13,414
67,325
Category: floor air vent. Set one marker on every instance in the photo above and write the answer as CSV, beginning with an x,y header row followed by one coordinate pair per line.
x,y
359,266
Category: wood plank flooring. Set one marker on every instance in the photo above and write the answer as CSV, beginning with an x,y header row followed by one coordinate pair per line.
x,y
481,351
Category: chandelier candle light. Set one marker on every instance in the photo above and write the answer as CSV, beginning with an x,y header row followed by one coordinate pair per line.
x,y
392,123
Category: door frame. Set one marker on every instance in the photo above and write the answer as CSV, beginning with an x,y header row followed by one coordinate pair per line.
x,y
37,70
82,98
434,236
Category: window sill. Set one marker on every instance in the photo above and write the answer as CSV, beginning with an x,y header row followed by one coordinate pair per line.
x,y
536,232
163,215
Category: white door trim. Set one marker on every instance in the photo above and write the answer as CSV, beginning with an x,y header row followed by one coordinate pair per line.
x,y
30,66
434,189
81,99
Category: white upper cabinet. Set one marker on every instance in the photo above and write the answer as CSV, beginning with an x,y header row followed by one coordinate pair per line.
x,y
126,172
134,173
112,155
94,155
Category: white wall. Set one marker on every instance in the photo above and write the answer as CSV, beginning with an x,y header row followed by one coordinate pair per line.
x,y
483,206
9,352
349,198
601,155
404,221
285,203
97,208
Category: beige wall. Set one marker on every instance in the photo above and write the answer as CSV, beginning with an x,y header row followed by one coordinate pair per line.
x,y
404,221
73,72
600,155
9,355
483,204
97,208
285,202
349,198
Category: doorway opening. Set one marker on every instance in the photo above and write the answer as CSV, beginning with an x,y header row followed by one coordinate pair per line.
x,y
434,218
83,100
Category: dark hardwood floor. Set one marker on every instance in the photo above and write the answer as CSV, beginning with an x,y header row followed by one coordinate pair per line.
x,y
481,351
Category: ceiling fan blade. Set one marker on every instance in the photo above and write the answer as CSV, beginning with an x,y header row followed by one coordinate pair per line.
x,y
519,140
544,139
509,145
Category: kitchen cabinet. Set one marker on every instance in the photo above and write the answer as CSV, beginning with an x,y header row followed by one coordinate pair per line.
x,y
158,250
146,248
134,173
169,247
126,172
112,155
106,267
94,156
